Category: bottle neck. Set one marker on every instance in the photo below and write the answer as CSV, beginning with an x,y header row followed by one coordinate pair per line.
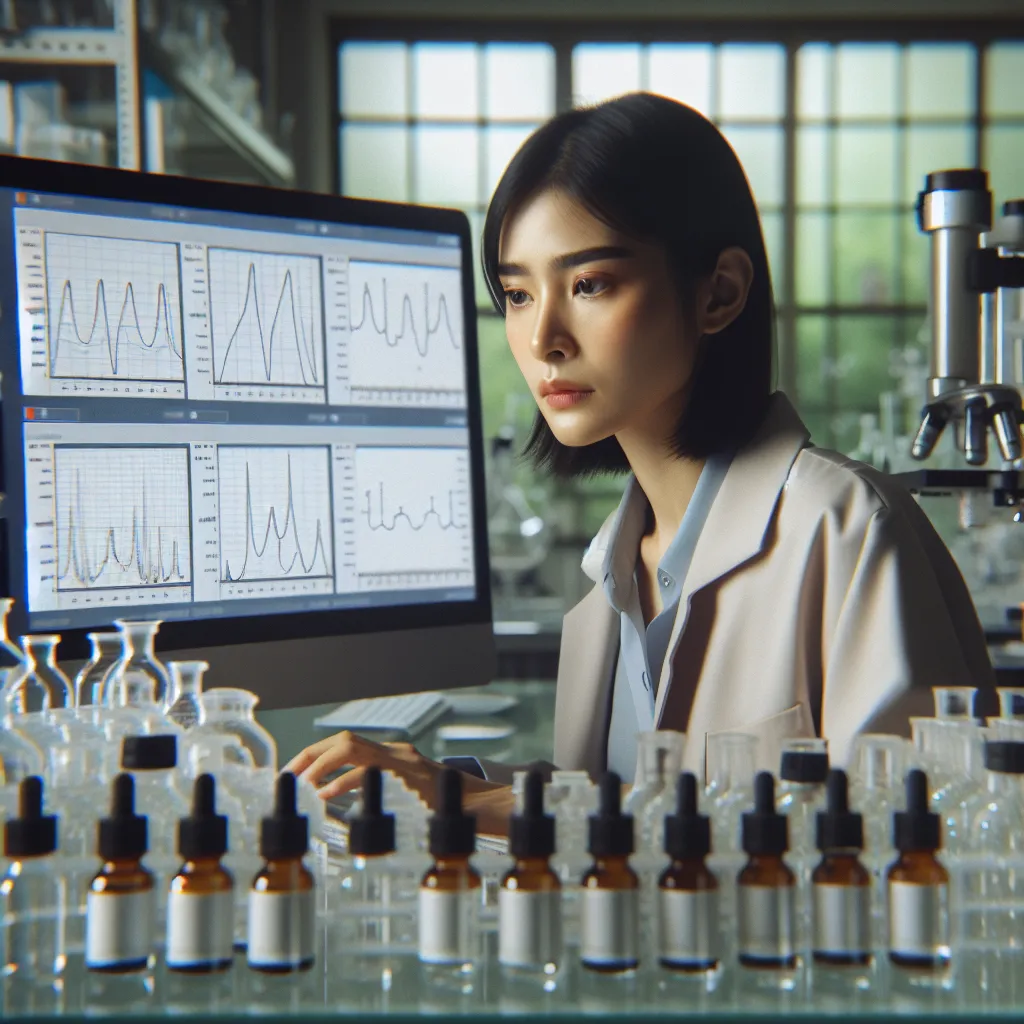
x,y
687,862
200,865
452,862
916,858
841,855
763,860
531,864
116,864
616,863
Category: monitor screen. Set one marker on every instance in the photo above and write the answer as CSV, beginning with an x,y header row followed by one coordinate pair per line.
x,y
255,417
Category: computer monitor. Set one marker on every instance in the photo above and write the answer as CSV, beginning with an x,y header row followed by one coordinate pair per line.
x,y
251,413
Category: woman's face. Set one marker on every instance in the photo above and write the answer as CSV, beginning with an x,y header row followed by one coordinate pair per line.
x,y
594,322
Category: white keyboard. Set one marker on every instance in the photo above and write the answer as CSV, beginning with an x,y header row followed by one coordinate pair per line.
x,y
409,713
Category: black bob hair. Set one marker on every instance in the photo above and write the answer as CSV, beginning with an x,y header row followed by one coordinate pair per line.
x,y
656,171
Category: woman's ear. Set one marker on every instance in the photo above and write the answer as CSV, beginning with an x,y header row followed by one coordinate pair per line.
x,y
724,293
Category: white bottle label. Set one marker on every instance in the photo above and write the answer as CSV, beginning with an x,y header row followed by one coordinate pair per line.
x,y
282,928
119,928
918,919
448,926
765,921
200,928
842,915
529,928
608,926
688,923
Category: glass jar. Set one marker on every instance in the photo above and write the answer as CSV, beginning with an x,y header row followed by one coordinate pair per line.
x,y
229,710
183,701
137,673
106,649
43,673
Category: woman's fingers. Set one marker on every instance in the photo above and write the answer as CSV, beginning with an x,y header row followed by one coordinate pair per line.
x,y
342,784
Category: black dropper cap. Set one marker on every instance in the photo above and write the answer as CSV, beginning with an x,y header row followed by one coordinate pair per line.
x,y
149,753
765,831
804,766
839,828
371,832
124,835
916,828
284,834
204,833
611,831
532,833
687,832
31,833
452,831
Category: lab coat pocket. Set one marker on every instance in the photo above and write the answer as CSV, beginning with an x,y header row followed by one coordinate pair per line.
x,y
770,733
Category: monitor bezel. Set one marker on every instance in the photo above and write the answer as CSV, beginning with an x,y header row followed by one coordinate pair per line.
x,y
45,176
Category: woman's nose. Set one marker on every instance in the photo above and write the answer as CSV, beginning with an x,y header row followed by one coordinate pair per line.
x,y
551,339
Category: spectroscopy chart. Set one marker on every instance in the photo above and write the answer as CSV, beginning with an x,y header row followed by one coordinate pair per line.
x,y
413,517
113,309
275,517
123,521
267,318
405,334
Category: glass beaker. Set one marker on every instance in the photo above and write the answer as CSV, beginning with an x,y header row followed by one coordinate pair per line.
x,y
106,649
41,670
954,702
183,700
137,671
231,710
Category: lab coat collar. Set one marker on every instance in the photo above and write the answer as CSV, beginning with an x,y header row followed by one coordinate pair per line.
x,y
737,524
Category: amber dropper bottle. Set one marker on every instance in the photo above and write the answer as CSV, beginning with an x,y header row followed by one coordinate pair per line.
x,y
766,887
918,884
282,907
688,890
120,908
840,884
200,904
610,890
529,902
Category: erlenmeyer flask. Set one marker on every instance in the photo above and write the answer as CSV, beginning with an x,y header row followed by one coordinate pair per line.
x,y
231,710
138,670
183,705
41,667
106,649
954,702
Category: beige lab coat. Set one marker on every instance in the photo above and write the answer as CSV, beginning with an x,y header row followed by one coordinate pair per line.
x,y
819,601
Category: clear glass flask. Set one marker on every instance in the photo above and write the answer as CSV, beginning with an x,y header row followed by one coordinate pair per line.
x,y
106,649
183,701
730,786
658,764
230,710
137,669
43,673
11,656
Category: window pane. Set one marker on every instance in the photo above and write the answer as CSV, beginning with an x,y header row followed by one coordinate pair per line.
x,y
447,166
916,261
751,81
813,99
373,80
499,375
865,258
812,162
1004,79
375,162
771,228
502,144
865,165
866,80
520,81
934,149
813,258
682,72
1004,159
603,70
940,80
863,365
812,367
445,80
760,151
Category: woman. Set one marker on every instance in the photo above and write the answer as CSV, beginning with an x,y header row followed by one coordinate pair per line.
x,y
749,581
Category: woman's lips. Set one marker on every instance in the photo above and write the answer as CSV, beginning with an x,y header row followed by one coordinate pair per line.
x,y
566,399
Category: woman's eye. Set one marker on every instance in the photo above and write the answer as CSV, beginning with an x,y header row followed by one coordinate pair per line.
x,y
515,296
592,286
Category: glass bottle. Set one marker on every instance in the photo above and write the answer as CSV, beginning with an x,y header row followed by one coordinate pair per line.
x,y
137,670
840,884
11,656
229,710
32,893
200,904
688,890
918,884
41,661
282,900
766,887
610,890
571,797
183,702
529,903
106,649
729,791
954,702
